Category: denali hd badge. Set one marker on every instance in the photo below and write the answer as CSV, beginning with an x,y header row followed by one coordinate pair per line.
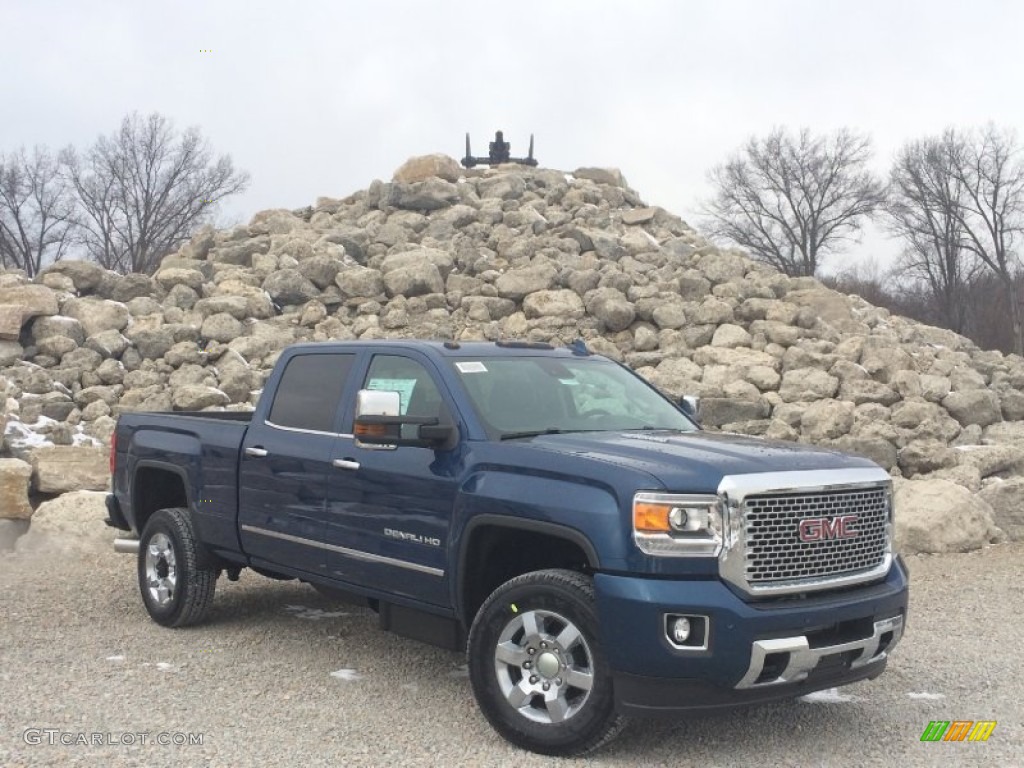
x,y
822,528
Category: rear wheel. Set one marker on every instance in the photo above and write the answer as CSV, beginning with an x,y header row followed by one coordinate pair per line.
x,y
537,670
175,590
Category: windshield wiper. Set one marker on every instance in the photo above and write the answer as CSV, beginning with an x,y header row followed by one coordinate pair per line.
x,y
548,431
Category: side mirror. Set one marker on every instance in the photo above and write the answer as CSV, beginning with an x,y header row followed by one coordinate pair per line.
x,y
690,406
378,424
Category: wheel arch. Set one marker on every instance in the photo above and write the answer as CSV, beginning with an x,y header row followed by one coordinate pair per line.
x,y
157,485
481,568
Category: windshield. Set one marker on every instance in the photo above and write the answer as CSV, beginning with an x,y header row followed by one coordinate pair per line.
x,y
532,395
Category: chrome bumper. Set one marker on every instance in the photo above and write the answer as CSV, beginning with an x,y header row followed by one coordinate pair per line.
x,y
803,659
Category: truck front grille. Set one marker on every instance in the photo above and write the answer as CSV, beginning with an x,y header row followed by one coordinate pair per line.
x,y
775,552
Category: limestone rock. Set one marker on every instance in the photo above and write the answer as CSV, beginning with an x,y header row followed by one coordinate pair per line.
x,y
806,385
975,406
428,166
70,522
10,322
940,516
15,475
32,300
288,286
60,469
1006,497
516,284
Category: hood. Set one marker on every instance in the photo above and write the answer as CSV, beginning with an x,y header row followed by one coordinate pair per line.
x,y
695,462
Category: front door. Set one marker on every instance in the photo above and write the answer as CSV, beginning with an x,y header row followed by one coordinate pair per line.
x,y
389,509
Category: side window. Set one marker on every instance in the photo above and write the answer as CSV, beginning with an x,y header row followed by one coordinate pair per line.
x,y
309,392
417,390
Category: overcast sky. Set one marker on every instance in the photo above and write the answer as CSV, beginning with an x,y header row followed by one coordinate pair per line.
x,y
320,98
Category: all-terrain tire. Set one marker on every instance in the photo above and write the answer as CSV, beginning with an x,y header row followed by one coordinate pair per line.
x,y
536,666
176,591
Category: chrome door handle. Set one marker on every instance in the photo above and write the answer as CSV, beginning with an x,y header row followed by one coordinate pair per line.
x,y
345,464
258,452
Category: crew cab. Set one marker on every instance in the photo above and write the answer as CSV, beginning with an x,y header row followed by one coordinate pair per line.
x,y
595,553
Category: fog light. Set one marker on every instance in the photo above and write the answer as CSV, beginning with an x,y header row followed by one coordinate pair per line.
x,y
681,630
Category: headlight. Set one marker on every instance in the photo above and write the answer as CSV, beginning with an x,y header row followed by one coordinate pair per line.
x,y
671,525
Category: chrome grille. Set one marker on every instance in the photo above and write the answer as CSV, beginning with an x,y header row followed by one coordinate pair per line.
x,y
775,553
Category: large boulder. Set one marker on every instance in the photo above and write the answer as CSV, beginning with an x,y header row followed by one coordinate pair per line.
x,y
974,406
64,468
518,283
941,516
1006,497
426,167
288,286
97,315
10,322
70,522
15,476
32,300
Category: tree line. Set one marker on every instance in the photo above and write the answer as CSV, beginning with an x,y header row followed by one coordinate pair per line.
x,y
125,202
954,201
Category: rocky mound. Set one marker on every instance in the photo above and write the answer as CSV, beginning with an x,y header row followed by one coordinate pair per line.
x,y
512,253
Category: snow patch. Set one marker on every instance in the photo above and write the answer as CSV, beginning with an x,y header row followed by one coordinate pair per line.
x,y
925,696
347,675
117,658
828,696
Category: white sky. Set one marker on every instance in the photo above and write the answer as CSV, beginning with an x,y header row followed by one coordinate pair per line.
x,y
320,98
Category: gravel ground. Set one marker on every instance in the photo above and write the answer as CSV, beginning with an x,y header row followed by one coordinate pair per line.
x,y
279,676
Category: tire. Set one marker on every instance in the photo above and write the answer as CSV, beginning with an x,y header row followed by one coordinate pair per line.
x,y
175,590
537,630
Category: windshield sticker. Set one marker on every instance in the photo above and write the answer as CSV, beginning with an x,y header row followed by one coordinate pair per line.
x,y
403,387
473,367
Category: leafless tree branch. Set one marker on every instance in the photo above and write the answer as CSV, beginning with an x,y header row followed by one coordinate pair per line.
x,y
791,200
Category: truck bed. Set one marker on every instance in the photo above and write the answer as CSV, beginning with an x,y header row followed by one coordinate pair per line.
x,y
204,445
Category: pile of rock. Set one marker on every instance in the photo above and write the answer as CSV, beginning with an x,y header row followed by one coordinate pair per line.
x,y
515,253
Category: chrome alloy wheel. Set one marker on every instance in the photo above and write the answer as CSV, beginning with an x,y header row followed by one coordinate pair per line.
x,y
161,569
545,668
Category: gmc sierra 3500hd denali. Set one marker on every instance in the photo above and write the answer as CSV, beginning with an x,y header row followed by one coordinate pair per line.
x,y
601,556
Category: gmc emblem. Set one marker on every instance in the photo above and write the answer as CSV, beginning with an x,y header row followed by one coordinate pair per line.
x,y
822,528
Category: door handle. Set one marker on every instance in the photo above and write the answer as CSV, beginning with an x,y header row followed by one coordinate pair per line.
x,y
345,464
256,451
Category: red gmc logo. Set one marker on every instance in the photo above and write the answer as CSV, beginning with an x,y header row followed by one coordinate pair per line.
x,y
822,528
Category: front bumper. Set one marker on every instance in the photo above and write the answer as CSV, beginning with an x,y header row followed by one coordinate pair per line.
x,y
756,651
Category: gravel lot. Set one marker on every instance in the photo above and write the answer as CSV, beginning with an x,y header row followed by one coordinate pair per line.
x,y
78,653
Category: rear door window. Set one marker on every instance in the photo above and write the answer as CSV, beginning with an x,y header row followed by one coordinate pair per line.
x,y
310,391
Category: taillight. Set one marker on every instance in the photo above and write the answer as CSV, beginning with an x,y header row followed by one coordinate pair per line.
x,y
113,451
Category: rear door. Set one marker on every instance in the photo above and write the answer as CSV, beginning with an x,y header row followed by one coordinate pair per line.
x,y
389,510
285,463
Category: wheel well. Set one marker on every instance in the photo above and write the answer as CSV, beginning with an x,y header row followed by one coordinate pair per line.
x,y
496,554
154,489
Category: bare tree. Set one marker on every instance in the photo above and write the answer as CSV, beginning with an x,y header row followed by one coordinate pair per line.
x,y
989,167
37,208
144,191
791,200
926,210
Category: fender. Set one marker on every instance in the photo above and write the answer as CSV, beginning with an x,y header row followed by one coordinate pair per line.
x,y
588,515
206,558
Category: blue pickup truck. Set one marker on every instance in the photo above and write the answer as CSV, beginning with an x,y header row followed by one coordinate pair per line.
x,y
545,509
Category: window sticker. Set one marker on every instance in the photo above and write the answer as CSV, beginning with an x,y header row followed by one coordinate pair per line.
x,y
471,367
403,387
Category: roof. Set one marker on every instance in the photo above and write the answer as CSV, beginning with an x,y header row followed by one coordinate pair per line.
x,y
450,348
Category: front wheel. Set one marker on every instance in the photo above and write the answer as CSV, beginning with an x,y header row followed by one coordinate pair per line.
x,y
537,670
175,590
